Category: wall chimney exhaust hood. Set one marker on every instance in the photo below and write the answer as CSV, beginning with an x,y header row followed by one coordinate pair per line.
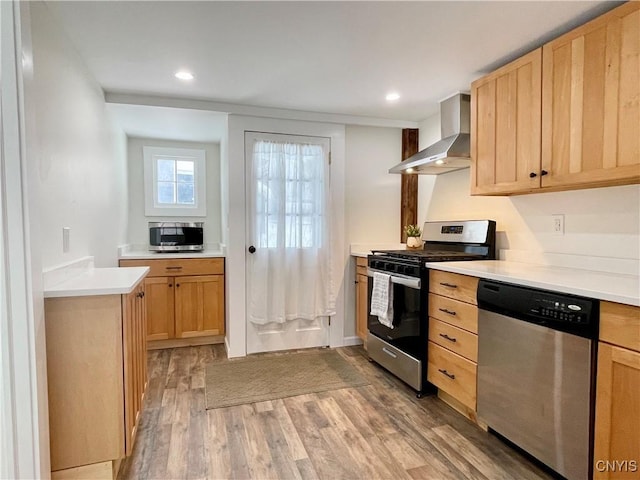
x,y
451,153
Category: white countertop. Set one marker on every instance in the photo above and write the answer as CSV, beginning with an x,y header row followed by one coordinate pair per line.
x,y
98,281
613,287
146,254
364,249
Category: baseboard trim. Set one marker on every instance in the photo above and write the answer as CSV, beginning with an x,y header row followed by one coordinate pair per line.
x,y
185,342
351,341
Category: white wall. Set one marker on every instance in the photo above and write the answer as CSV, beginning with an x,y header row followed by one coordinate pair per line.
x,y
602,225
138,222
82,155
23,390
372,195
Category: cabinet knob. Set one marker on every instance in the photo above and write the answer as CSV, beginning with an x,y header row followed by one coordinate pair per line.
x,y
177,284
170,285
252,249
543,173
533,175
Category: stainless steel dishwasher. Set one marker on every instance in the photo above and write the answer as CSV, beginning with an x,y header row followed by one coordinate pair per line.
x,y
536,360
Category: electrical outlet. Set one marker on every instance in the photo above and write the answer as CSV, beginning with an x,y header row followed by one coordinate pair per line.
x,y
65,239
558,224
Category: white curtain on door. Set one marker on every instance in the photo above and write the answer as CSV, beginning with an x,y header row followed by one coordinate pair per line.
x,y
290,274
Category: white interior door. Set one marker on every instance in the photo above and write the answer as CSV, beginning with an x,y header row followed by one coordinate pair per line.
x,y
284,241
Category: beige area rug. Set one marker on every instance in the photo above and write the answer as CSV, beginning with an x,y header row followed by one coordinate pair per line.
x,y
262,378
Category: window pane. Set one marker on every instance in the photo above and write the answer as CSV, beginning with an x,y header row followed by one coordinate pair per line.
x,y
185,171
166,192
186,194
166,170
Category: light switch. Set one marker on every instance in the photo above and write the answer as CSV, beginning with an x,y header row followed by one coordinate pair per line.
x,y
65,239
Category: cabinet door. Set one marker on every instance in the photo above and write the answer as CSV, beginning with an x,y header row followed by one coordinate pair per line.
x,y
199,305
505,128
361,306
134,353
617,413
160,308
591,102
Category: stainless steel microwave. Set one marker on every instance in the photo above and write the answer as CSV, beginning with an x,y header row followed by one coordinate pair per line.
x,y
176,236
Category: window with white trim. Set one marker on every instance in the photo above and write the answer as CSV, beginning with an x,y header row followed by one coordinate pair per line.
x,y
174,182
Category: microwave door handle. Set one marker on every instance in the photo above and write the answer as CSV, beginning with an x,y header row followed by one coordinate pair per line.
x,y
414,283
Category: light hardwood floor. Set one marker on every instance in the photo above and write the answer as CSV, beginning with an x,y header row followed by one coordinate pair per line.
x,y
378,431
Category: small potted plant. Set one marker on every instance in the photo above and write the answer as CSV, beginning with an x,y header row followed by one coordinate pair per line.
x,y
413,236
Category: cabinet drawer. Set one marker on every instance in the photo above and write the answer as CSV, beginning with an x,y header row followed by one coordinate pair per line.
x,y
361,266
620,325
179,266
455,339
460,314
453,285
453,374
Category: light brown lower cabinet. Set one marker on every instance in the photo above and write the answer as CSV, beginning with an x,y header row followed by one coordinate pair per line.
x,y
452,349
97,375
362,292
617,424
185,297
199,304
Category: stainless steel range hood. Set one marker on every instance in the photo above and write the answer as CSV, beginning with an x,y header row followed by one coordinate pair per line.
x,y
451,153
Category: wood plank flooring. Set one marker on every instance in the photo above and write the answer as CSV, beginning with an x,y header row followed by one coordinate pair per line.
x,y
378,431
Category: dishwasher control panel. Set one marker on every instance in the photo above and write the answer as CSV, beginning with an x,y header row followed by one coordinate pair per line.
x,y
561,309
569,313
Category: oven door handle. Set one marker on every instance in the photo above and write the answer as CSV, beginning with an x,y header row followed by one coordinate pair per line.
x,y
410,282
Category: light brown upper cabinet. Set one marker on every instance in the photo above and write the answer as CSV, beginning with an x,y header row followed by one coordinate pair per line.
x,y
505,126
591,102
588,119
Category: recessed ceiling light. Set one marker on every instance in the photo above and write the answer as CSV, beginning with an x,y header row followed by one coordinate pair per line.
x,y
392,97
184,75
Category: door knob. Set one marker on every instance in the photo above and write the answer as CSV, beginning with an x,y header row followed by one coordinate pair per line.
x,y
252,249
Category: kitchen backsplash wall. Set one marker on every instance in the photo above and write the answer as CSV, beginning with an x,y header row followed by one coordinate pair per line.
x,y
602,225
372,195
138,222
81,171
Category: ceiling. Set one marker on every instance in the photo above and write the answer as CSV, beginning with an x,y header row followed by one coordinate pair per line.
x,y
333,57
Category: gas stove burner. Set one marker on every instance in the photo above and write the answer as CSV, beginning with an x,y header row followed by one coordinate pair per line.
x,y
428,255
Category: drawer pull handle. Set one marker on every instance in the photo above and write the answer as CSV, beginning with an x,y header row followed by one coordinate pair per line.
x,y
174,268
448,312
450,375
389,352
451,339
450,285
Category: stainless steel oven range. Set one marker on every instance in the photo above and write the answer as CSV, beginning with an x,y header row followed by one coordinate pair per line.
x,y
402,350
